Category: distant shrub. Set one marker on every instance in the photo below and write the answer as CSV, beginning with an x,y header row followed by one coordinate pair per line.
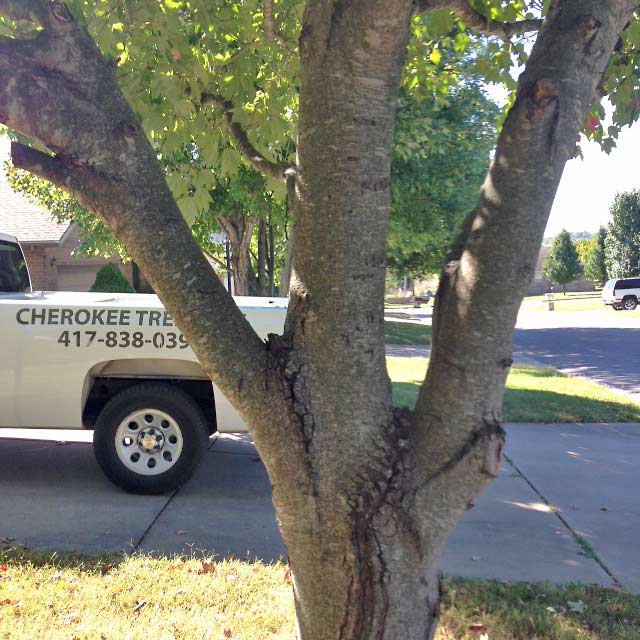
x,y
110,280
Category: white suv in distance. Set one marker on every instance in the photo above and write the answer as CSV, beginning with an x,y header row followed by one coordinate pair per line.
x,y
622,293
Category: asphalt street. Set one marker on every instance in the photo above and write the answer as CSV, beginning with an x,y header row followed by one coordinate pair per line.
x,y
606,355
603,346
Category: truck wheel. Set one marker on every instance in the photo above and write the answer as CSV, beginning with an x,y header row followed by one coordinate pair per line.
x,y
629,303
617,306
150,438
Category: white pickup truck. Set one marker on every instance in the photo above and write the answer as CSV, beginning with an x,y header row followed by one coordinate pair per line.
x,y
117,364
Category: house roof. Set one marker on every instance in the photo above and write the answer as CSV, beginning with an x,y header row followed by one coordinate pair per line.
x,y
26,221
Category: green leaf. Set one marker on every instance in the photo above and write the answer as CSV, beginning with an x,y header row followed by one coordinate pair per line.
x,y
177,185
201,199
183,108
440,22
460,42
230,162
209,150
188,209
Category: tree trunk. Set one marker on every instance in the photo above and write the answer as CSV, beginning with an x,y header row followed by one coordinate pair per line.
x,y
287,268
365,495
271,259
239,230
261,263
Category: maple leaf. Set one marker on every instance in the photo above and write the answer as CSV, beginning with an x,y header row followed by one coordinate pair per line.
x,y
591,123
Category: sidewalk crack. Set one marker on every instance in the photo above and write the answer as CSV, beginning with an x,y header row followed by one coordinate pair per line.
x,y
588,550
155,519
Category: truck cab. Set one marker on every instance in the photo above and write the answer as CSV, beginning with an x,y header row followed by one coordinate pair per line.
x,y
117,364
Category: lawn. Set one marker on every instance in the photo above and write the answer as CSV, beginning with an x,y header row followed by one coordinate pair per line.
x,y
571,302
532,394
406,333
140,597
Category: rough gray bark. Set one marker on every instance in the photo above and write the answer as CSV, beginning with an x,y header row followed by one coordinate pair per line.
x,y
365,495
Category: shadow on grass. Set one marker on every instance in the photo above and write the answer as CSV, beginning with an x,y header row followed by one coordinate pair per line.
x,y
100,563
540,406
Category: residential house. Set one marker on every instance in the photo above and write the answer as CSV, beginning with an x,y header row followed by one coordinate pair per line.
x,y
49,246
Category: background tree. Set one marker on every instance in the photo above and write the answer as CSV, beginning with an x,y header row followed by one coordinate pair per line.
x,y
583,247
561,265
595,267
441,154
622,242
254,222
366,495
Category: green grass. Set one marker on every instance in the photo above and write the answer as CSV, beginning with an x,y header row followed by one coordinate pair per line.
x,y
139,597
570,296
406,333
571,302
532,394
541,611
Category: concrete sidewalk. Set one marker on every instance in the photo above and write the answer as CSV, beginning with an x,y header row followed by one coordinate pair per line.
x,y
565,509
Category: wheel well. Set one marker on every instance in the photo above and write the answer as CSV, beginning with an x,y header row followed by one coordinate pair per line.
x,y
104,388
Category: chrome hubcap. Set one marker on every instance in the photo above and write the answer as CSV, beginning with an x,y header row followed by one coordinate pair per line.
x,y
148,442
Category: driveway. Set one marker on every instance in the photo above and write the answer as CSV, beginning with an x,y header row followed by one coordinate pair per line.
x,y
566,485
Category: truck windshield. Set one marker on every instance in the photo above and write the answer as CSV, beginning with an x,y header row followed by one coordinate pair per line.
x,y
14,277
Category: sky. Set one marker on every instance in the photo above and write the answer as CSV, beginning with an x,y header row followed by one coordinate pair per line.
x,y
588,185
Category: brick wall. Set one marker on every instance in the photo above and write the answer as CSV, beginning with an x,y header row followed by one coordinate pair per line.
x,y
36,263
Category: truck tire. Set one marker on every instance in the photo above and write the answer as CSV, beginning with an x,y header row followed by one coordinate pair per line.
x,y
629,303
150,438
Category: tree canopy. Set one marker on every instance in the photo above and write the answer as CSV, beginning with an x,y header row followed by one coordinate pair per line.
x,y
441,154
622,242
561,265
595,266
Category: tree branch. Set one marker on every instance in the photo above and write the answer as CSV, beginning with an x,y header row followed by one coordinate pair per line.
x,y
482,283
40,164
32,10
248,151
219,262
270,31
477,22
85,185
